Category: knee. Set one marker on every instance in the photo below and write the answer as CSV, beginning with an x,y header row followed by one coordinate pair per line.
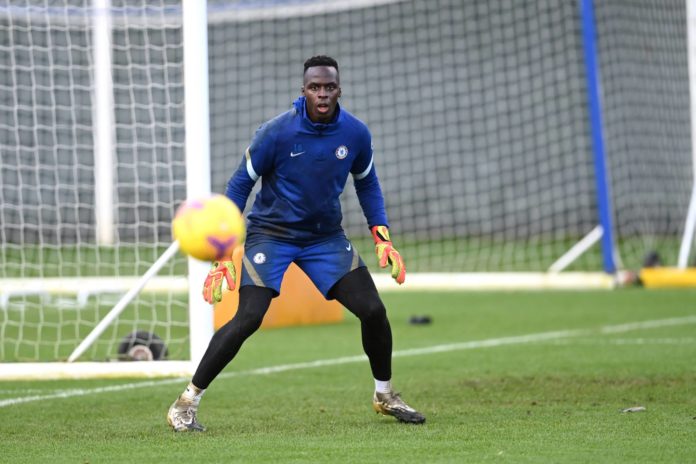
x,y
253,304
247,324
373,311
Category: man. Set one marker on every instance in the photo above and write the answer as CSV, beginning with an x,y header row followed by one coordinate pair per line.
x,y
304,156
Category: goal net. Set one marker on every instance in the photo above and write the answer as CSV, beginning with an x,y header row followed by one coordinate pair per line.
x,y
647,124
478,112
479,118
67,255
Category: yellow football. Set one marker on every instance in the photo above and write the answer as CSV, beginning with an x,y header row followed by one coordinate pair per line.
x,y
210,228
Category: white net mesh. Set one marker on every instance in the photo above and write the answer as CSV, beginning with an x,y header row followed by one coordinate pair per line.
x,y
644,63
48,177
477,111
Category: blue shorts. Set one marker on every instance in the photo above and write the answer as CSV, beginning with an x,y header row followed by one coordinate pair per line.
x,y
325,263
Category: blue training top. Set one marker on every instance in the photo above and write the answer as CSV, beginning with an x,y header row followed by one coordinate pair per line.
x,y
305,166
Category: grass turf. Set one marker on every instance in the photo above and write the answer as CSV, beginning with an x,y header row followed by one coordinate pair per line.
x,y
553,400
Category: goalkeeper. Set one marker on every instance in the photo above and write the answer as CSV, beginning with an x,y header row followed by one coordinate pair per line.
x,y
304,156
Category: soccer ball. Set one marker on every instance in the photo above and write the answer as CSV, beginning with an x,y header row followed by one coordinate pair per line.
x,y
210,228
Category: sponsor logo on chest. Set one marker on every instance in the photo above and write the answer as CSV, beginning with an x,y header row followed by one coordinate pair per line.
x,y
297,150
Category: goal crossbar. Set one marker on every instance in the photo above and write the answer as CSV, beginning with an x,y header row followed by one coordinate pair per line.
x,y
84,287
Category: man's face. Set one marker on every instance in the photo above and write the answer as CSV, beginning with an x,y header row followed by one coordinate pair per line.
x,y
321,90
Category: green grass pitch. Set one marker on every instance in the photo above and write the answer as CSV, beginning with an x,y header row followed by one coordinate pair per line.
x,y
502,377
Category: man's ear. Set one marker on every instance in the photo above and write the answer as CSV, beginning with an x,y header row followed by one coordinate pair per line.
x,y
340,92
302,89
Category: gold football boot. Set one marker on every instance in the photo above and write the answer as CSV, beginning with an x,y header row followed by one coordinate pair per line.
x,y
391,404
182,416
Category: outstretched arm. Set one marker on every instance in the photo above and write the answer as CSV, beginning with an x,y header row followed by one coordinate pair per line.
x,y
223,272
372,203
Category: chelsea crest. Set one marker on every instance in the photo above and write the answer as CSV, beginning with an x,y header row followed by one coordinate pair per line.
x,y
341,152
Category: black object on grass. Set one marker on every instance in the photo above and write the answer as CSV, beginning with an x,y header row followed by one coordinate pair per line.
x,y
420,320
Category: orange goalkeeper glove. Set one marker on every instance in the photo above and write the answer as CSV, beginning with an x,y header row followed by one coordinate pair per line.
x,y
386,253
222,271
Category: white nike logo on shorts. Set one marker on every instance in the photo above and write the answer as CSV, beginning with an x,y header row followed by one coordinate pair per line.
x,y
349,246
292,154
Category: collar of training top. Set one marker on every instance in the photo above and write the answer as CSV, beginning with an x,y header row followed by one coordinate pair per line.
x,y
301,107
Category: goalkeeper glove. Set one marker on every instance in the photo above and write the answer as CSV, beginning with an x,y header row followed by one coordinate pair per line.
x,y
222,271
386,253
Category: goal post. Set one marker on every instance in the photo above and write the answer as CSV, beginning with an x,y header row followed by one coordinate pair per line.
x,y
103,122
589,36
109,125
484,143
195,25
687,241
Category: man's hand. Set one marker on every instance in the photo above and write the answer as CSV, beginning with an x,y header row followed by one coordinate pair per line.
x,y
387,254
221,271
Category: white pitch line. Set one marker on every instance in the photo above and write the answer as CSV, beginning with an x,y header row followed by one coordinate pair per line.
x,y
85,391
624,341
488,343
611,329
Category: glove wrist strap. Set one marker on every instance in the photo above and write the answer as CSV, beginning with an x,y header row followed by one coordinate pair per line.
x,y
380,234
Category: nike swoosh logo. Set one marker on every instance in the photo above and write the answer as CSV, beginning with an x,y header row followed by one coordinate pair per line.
x,y
349,246
292,155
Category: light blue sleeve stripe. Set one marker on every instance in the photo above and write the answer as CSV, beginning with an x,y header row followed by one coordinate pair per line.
x,y
363,174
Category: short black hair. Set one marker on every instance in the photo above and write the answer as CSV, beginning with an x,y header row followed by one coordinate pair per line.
x,y
320,60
